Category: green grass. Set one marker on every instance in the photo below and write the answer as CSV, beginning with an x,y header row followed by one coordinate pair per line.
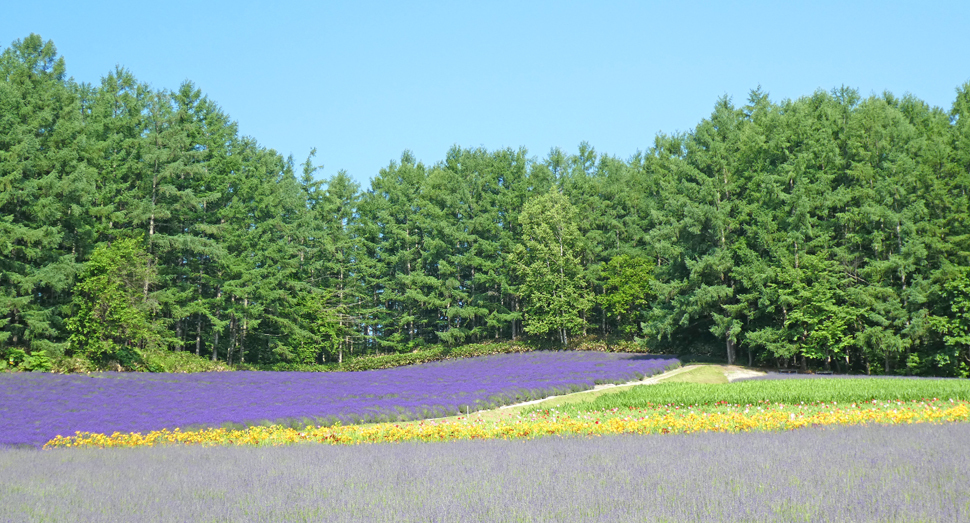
x,y
842,390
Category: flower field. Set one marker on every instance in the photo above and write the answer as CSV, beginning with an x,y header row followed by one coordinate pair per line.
x,y
35,408
873,473
662,420
889,449
665,408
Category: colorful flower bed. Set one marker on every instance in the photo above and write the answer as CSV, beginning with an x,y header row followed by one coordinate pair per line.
x,y
34,408
668,419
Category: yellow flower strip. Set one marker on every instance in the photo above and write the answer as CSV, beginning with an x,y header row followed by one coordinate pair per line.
x,y
650,422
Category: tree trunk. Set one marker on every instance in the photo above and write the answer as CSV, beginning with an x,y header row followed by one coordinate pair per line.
x,y
178,334
215,341
232,339
242,337
198,335
151,228
730,348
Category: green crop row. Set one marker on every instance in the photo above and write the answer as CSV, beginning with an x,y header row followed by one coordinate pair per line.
x,y
842,390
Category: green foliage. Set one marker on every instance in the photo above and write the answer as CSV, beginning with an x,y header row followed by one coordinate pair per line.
x,y
829,230
322,329
954,328
548,263
793,391
41,183
168,361
627,290
957,292
443,352
19,360
73,365
112,319
387,361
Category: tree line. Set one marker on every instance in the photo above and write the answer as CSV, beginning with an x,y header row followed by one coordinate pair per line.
x,y
831,230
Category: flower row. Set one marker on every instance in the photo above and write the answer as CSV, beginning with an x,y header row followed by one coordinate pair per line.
x,y
35,408
685,421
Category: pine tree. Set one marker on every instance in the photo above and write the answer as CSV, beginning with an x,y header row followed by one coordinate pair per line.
x,y
44,188
396,243
705,213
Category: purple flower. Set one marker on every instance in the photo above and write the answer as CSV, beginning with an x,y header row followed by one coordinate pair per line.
x,y
36,407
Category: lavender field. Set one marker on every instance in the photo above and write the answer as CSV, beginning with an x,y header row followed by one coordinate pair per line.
x,y
897,473
36,407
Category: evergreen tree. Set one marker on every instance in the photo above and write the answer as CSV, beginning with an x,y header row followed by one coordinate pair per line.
x,y
44,188
706,215
396,242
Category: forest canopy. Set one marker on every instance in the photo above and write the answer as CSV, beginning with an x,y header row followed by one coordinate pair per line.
x,y
831,230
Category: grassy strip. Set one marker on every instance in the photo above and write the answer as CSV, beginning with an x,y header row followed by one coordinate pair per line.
x,y
668,420
704,374
849,390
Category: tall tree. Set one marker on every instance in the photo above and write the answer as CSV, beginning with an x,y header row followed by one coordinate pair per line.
x,y
706,214
548,261
396,242
44,189
112,318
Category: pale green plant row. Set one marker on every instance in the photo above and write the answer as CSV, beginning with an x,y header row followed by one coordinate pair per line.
x,y
791,391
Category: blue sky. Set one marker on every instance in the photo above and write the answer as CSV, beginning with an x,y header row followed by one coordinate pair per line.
x,y
363,81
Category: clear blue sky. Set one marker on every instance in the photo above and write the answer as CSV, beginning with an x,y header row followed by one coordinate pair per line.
x,y
362,81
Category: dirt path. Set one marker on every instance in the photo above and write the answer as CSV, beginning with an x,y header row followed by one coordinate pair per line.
x,y
733,372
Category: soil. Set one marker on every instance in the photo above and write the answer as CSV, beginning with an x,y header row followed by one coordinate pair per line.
x,y
733,372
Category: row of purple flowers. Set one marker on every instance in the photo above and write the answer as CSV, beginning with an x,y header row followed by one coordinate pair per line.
x,y
36,407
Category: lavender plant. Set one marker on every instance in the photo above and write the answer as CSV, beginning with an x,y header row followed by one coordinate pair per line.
x,y
899,473
36,407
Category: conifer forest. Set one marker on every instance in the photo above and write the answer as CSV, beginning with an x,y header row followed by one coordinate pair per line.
x,y
829,231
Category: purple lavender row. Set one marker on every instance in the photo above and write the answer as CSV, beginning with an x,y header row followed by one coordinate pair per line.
x,y
859,474
36,407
